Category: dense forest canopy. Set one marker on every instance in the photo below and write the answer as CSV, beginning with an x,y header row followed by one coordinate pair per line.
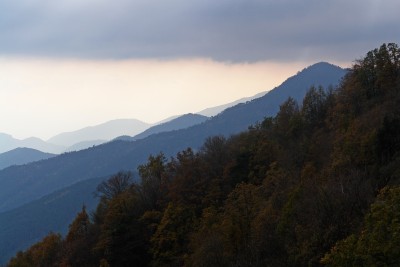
x,y
318,184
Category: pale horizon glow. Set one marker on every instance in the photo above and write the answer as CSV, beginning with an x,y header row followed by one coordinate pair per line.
x,y
45,97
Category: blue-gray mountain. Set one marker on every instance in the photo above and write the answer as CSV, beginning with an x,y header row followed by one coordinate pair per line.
x,y
22,184
20,156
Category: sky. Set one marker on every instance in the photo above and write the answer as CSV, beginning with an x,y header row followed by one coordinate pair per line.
x,y
67,64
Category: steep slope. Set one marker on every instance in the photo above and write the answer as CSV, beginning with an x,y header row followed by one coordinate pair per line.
x,y
181,122
21,156
104,131
7,143
21,184
21,227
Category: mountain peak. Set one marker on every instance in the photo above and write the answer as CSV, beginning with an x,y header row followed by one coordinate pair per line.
x,y
322,65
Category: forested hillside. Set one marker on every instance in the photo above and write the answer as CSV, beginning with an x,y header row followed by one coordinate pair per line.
x,y
318,184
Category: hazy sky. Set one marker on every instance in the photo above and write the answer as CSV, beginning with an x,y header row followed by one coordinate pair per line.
x,y
66,64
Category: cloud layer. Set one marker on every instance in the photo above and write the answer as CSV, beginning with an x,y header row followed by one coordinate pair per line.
x,y
67,64
228,30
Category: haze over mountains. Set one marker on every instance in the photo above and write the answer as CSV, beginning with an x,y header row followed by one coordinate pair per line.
x,y
78,139
108,130
86,137
105,131
7,143
209,112
20,185
181,122
98,134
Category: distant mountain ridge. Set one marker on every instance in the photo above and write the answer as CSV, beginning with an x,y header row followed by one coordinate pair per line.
x,y
105,131
7,143
76,140
21,156
21,184
213,111
178,123
84,145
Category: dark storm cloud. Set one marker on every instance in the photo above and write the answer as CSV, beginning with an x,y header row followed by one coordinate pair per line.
x,y
229,30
